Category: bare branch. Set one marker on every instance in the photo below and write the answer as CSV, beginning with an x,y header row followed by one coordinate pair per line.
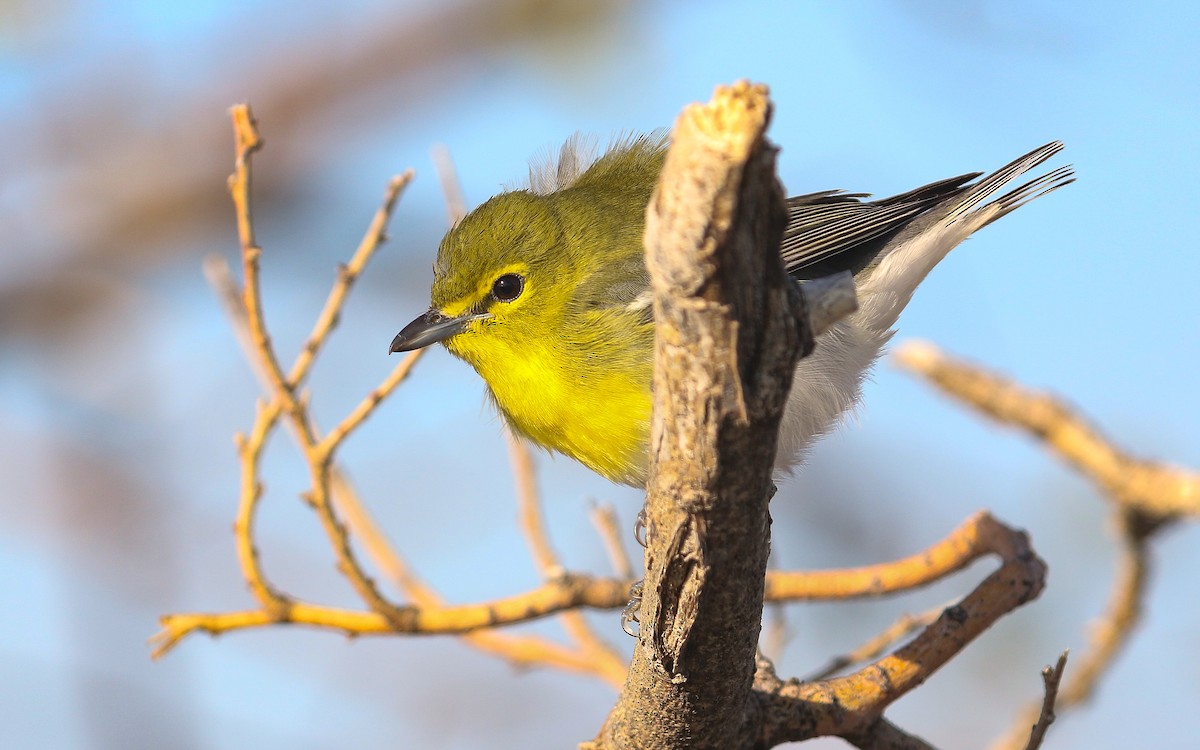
x,y
728,334
346,276
1147,496
552,597
533,528
884,735
876,646
1051,676
963,546
518,650
529,509
604,518
1112,630
1153,488
793,711
325,449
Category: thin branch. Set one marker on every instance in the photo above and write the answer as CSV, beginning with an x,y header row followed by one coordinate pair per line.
x,y
317,454
963,546
1051,676
552,597
884,735
874,647
604,518
247,141
346,276
1155,489
327,446
533,527
1112,630
518,650
1147,497
529,509
250,450
1109,634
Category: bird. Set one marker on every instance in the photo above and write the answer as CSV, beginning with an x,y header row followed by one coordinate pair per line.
x,y
543,289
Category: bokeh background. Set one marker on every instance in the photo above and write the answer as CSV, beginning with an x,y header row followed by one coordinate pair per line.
x,y
120,384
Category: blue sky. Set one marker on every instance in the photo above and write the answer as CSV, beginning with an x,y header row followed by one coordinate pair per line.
x,y
1089,292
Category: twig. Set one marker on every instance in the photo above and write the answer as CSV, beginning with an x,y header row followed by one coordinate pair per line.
x,y
533,528
518,650
318,455
529,509
884,735
1147,497
1051,676
247,141
875,646
346,276
325,449
329,481
604,518
1112,630
249,452
1153,488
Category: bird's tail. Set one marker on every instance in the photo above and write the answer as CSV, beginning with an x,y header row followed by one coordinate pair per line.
x,y
912,254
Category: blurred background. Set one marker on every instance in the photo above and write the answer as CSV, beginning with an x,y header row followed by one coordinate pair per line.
x,y
121,386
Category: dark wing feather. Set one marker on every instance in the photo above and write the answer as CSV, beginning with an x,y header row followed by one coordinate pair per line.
x,y
834,231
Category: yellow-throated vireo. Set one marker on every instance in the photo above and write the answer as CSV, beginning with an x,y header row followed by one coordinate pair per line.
x,y
544,291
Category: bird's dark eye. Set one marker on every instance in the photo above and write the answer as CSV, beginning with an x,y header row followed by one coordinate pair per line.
x,y
508,287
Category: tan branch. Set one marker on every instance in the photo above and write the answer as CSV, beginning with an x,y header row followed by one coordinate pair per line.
x,y
1153,488
847,706
250,452
518,650
874,647
347,274
964,545
1109,633
604,518
609,663
1112,630
529,509
325,449
552,597
318,455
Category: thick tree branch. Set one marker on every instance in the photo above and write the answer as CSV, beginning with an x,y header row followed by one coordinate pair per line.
x,y
729,330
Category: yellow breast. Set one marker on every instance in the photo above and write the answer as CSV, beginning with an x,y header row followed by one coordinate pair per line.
x,y
594,409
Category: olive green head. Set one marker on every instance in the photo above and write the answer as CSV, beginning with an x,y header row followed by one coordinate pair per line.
x,y
527,263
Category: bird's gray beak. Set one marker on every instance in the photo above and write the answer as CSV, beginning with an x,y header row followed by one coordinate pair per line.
x,y
430,328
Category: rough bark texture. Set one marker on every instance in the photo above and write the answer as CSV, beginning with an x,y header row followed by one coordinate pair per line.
x,y
730,328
